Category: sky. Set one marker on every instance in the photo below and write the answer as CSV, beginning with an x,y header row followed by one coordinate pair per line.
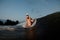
x,y
17,9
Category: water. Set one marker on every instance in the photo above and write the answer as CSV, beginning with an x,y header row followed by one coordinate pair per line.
x,y
18,34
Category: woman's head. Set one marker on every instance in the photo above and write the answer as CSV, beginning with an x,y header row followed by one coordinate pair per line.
x,y
27,16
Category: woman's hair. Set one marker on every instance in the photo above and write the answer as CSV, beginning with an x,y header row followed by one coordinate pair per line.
x,y
27,15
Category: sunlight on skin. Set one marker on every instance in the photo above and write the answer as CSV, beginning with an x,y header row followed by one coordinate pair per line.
x,y
29,21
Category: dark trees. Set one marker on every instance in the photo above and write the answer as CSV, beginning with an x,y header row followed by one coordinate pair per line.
x,y
1,23
9,22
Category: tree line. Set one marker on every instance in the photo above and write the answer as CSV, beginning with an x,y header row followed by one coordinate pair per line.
x,y
9,22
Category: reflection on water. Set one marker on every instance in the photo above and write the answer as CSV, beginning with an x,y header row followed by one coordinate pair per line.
x,y
30,34
18,34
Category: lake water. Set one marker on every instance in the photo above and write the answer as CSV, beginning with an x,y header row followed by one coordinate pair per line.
x,y
17,34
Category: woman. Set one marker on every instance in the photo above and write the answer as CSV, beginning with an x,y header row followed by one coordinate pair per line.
x,y
29,21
